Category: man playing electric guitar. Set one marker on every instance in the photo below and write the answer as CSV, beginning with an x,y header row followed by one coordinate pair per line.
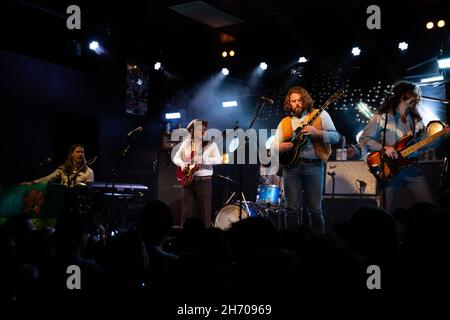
x,y
403,120
307,172
196,158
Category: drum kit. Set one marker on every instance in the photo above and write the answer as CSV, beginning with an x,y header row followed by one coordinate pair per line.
x,y
267,205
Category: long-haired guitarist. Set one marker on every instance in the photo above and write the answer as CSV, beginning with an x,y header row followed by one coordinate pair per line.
x,y
196,159
307,172
403,120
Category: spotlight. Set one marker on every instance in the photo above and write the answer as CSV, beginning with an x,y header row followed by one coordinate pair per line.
x,y
173,115
444,62
429,25
139,81
263,65
356,51
231,53
229,104
93,45
224,54
441,23
403,46
225,71
157,65
302,60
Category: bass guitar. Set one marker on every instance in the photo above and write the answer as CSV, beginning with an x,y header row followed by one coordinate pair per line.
x,y
290,157
404,147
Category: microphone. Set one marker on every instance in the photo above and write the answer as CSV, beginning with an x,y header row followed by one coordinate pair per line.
x,y
268,100
362,185
132,132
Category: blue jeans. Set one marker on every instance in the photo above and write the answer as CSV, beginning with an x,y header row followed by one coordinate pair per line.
x,y
306,177
413,180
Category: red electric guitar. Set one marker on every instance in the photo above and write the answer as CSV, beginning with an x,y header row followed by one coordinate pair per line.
x,y
185,177
404,148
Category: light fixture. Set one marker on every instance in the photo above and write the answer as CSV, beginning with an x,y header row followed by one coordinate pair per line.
x,y
441,23
173,115
225,71
224,54
429,25
230,104
263,66
403,46
444,62
231,53
356,51
302,60
157,65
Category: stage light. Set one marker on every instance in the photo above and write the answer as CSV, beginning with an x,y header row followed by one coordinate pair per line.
x,y
231,53
403,46
441,23
224,54
225,71
432,79
229,104
429,25
173,115
139,81
364,109
234,144
356,51
93,45
302,60
263,66
157,65
444,62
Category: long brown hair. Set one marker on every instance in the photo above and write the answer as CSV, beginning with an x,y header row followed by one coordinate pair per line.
x,y
401,89
307,101
69,165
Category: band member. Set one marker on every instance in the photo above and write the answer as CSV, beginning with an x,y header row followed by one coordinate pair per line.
x,y
196,196
73,172
402,119
307,174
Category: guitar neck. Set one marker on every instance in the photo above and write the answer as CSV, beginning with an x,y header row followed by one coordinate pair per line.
x,y
407,151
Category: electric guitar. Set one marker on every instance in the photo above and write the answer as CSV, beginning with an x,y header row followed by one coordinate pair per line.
x,y
404,147
290,157
186,176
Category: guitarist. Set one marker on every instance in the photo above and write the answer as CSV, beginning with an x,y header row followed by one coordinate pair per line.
x,y
307,174
402,119
196,197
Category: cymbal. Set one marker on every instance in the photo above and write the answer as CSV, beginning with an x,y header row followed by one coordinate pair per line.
x,y
225,178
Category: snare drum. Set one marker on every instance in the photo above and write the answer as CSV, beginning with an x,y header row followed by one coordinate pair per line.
x,y
268,195
229,214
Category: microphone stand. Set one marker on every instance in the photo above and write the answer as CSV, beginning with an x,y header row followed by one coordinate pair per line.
x,y
383,173
241,166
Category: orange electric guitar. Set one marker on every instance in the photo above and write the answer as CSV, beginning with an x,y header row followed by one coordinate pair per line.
x,y
404,147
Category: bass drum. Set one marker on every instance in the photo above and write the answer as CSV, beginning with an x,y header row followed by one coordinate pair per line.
x,y
229,214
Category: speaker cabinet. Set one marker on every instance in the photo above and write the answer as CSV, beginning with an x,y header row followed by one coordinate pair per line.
x,y
169,190
350,178
340,208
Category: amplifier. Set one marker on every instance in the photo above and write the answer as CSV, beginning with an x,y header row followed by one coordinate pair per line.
x,y
350,178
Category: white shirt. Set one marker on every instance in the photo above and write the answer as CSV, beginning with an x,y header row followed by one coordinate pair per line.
x,y
210,156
